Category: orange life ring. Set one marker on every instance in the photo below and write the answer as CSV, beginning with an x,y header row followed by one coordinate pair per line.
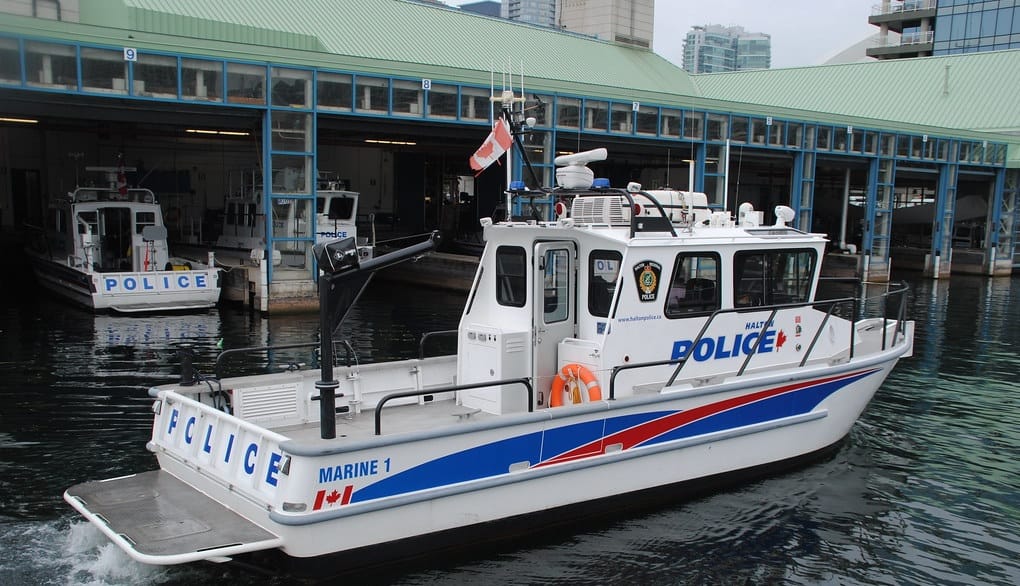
x,y
574,373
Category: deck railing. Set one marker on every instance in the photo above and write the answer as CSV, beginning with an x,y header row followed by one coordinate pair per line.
x,y
900,7
830,305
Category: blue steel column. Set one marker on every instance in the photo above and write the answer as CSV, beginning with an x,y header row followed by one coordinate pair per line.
x,y
942,223
1011,196
699,166
868,234
267,184
802,196
995,224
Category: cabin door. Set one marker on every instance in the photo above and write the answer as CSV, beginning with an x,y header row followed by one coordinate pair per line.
x,y
555,314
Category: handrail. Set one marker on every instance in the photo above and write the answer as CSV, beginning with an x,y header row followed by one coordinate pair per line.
x,y
427,335
433,391
621,367
231,351
630,200
757,342
830,303
905,6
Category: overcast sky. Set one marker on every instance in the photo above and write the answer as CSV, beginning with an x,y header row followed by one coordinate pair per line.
x,y
804,32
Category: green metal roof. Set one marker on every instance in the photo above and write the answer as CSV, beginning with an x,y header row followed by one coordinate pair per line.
x,y
971,94
401,37
976,91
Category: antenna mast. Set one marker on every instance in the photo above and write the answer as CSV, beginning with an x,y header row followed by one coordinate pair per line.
x,y
507,99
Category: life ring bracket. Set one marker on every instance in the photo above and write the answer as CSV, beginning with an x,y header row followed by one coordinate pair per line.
x,y
571,378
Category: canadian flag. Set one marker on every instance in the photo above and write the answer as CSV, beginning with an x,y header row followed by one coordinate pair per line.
x,y
328,499
497,143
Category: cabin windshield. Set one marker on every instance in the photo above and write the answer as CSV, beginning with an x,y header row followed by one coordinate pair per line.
x,y
772,277
340,208
695,285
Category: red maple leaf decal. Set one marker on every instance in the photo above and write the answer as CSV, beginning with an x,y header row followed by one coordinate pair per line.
x,y
780,339
333,497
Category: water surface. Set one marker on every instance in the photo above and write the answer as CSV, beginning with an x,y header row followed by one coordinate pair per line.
x,y
925,489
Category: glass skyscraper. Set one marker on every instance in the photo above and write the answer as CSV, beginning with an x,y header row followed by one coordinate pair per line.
x,y
966,26
944,27
713,48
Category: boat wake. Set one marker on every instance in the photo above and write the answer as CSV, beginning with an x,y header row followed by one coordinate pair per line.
x,y
57,552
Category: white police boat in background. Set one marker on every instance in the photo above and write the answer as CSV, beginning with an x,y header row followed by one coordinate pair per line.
x,y
106,248
637,345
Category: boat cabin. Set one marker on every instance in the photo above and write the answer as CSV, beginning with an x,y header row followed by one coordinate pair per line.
x,y
104,229
637,282
336,210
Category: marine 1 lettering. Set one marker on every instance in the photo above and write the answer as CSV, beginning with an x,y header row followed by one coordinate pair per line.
x,y
721,347
352,470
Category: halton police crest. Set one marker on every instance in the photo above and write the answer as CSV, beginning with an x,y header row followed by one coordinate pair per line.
x,y
646,275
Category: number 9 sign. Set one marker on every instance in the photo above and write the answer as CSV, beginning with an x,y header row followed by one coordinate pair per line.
x,y
130,54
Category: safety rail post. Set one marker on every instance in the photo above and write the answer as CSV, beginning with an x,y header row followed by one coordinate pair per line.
x,y
617,369
757,343
818,333
427,335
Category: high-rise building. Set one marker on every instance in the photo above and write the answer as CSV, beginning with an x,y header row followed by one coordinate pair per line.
x,y
483,7
754,51
620,21
540,12
943,27
713,48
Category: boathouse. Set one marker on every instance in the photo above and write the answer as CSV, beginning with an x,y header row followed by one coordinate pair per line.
x,y
910,163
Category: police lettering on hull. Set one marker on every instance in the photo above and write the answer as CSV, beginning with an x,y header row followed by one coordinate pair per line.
x,y
155,282
720,347
224,446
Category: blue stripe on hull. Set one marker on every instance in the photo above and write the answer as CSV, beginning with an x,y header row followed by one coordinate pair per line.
x,y
586,438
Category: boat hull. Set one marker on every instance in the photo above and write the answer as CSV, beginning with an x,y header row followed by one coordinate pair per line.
x,y
467,476
130,292
717,434
395,556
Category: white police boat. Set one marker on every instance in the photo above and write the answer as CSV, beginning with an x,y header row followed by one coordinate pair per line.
x,y
244,225
638,345
105,248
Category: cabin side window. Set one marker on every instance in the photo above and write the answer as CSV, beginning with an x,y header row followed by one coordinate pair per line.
x,y
143,219
603,272
511,276
695,285
556,278
88,222
772,277
341,208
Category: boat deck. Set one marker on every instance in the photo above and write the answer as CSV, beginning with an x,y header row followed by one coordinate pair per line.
x,y
397,419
